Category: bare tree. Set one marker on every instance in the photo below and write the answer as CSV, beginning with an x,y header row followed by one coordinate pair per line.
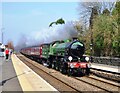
x,y
86,8
10,45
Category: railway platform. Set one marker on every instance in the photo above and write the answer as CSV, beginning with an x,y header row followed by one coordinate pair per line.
x,y
8,77
16,76
107,68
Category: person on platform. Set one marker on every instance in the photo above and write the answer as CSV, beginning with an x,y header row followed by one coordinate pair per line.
x,y
7,53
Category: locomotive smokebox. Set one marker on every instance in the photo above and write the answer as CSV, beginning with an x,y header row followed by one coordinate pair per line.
x,y
77,48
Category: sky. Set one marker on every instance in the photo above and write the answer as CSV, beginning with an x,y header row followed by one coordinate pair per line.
x,y
29,18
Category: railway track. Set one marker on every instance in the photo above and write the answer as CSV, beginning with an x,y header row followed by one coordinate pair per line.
x,y
102,84
112,76
45,74
75,84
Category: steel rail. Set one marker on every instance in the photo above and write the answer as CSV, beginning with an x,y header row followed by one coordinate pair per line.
x,y
104,81
23,59
30,64
85,81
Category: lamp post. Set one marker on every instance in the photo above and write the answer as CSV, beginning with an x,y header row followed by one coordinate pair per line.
x,y
2,35
91,47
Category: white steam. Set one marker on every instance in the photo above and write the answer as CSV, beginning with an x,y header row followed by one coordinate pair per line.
x,y
56,32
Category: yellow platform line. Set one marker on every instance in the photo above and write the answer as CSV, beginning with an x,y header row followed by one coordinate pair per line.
x,y
21,75
29,80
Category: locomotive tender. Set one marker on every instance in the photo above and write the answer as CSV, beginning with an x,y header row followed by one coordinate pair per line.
x,y
64,56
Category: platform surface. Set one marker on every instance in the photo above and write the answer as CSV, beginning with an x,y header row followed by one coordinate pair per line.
x,y
28,79
1,74
8,78
109,68
16,76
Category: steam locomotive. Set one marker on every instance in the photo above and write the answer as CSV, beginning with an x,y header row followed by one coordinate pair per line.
x,y
65,56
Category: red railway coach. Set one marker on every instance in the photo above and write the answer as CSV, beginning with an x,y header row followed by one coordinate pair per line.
x,y
32,52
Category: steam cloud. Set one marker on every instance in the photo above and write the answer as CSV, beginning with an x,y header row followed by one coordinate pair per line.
x,y
56,32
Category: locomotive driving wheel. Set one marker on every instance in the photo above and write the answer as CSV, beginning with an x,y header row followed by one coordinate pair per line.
x,y
62,69
88,71
48,63
53,63
56,66
83,71
70,71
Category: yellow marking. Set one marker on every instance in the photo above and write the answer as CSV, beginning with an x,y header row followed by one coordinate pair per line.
x,y
28,79
21,75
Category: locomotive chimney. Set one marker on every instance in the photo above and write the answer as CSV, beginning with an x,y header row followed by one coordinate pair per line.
x,y
74,38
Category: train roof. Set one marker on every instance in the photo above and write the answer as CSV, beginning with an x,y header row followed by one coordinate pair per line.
x,y
32,46
53,42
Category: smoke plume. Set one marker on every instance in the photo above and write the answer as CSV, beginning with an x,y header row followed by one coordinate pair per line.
x,y
56,32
